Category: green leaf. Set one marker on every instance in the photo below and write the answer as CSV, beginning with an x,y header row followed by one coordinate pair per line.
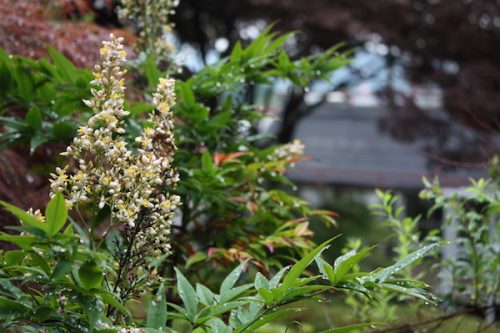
x,y
90,275
350,328
195,258
301,266
11,307
414,292
114,241
237,52
386,273
93,312
185,93
26,219
56,214
44,313
25,230
345,263
5,82
62,267
261,281
69,230
221,120
218,326
10,288
265,319
23,242
157,310
216,310
232,277
35,272
63,131
140,108
153,74
275,280
37,140
321,265
34,118
38,261
207,164
64,66
25,85
13,257
205,295
110,299
234,292
305,292
266,295
187,294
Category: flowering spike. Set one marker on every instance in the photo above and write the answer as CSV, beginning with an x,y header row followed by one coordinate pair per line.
x,y
131,182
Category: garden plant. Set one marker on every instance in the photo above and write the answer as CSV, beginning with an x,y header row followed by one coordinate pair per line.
x,y
170,212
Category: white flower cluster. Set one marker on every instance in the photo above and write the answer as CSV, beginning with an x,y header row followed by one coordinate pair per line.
x,y
288,151
131,182
36,214
152,20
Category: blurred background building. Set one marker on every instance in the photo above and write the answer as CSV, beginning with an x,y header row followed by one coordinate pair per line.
x,y
421,97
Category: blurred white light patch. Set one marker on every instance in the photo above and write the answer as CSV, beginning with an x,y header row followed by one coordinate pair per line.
x,y
189,57
266,124
336,97
428,97
451,67
221,44
212,57
313,97
363,95
251,30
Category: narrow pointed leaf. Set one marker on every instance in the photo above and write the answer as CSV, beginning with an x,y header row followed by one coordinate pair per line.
x,y
265,319
157,310
205,295
387,272
350,328
187,294
301,266
275,280
348,263
261,281
26,219
231,279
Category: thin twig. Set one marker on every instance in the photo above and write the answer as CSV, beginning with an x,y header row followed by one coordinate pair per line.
x,y
440,319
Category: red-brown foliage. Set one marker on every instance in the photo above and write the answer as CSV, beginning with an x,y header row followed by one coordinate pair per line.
x,y
28,27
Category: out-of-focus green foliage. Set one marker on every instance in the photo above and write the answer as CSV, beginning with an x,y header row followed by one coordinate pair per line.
x,y
48,92
469,275
472,276
404,233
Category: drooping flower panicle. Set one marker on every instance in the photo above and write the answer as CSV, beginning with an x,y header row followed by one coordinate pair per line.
x,y
288,151
132,182
152,19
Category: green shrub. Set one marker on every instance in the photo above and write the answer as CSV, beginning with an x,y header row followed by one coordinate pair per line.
x,y
69,275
